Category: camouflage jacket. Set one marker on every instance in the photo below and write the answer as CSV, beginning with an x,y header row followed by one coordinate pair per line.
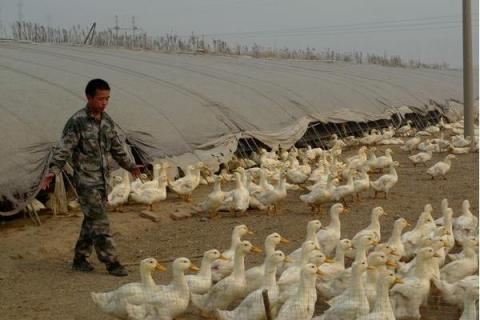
x,y
86,142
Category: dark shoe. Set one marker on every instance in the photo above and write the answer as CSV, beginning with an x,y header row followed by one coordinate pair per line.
x,y
81,264
117,270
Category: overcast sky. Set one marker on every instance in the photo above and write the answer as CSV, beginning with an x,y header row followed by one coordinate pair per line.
x,y
429,30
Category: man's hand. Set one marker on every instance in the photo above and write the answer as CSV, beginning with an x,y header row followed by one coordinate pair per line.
x,y
47,180
136,171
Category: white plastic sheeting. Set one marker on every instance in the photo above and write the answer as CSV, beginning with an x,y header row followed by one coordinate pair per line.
x,y
173,105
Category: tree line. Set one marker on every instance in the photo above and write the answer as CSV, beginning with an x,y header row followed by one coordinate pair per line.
x,y
171,43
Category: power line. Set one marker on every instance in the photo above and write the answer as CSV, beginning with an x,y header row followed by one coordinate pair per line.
x,y
346,27
360,30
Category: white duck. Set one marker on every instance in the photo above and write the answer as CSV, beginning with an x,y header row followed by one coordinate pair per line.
x,y
271,198
202,281
453,293
411,144
252,307
341,192
141,182
382,309
252,187
342,281
395,240
329,236
359,159
459,269
263,183
225,176
373,229
227,290
455,150
222,268
318,259
243,176
355,165
432,128
405,129
362,183
301,306
421,157
151,195
424,133
185,186
406,298
332,270
444,125
322,178
460,142
371,156
377,261
377,265
441,142
168,301
313,153
392,255
268,160
441,168
238,200
465,225
120,192
319,195
215,199
291,273
470,309
443,207
299,174
412,238
392,141
335,142
320,171
254,275
313,227
115,302
354,303
388,133
447,230
428,145
381,162
438,245
114,180
386,182
371,138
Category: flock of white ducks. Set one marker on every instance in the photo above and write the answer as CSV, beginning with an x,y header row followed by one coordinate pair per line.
x,y
263,181
389,280
386,280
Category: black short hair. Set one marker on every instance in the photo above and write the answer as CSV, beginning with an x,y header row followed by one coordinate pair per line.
x,y
94,85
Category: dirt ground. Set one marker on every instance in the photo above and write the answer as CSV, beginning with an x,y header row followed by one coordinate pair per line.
x,y
37,283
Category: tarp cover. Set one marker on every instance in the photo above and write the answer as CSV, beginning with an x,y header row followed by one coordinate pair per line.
x,y
175,104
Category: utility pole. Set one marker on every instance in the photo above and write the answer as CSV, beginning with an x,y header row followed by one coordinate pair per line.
x,y
1,23
90,34
467,71
116,28
134,27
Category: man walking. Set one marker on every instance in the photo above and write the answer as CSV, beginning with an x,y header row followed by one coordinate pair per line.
x,y
87,138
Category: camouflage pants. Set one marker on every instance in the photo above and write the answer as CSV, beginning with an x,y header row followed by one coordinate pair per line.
x,y
95,231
